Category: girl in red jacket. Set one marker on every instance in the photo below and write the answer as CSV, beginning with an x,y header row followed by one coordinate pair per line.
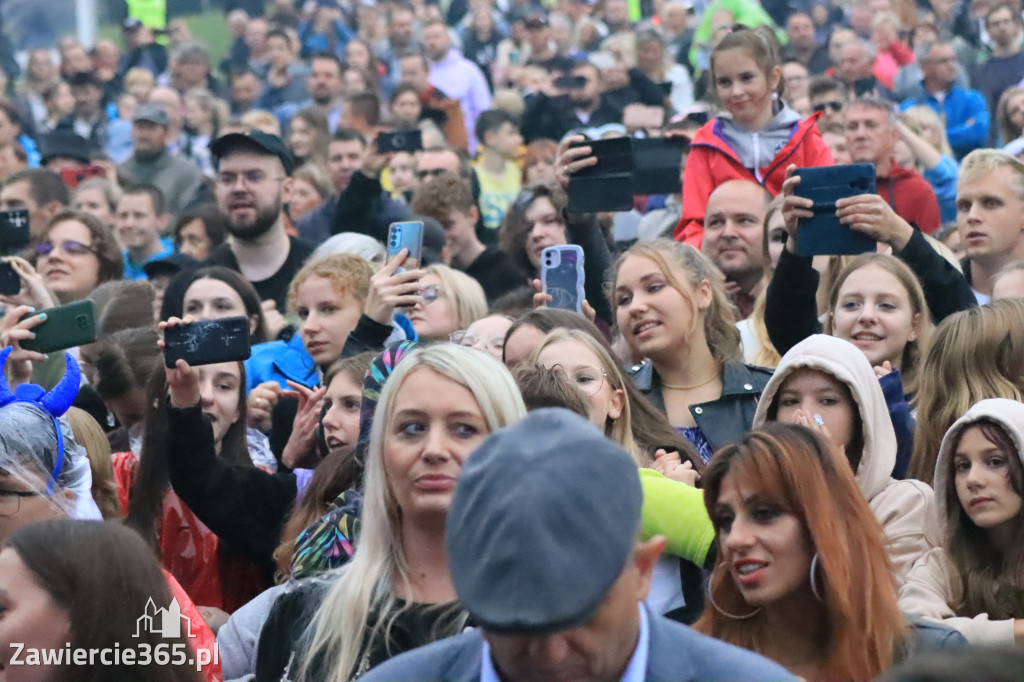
x,y
759,137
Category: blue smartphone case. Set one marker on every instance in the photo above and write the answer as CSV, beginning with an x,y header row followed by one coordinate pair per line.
x,y
406,235
561,275
824,234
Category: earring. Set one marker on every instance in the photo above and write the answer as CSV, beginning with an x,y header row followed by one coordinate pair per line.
x,y
775,96
711,599
814,586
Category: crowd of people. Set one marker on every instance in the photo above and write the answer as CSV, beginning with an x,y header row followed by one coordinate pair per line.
x,y
733,461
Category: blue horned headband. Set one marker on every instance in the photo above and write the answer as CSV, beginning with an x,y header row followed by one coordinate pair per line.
x,y
54,404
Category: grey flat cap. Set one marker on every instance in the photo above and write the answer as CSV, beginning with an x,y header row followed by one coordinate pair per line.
x,y
544,518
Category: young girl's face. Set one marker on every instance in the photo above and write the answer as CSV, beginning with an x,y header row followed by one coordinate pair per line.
x,y
742,85
808,392
341,420
583,367
981,473
873,312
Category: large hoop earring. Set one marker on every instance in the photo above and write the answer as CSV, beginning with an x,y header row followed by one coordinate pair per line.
x,y
814,586
711,599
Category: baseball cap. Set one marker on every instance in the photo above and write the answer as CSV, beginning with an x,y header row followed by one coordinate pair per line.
x,y
535,20
65,144
255,140
168,265
543,520
152,113
131,24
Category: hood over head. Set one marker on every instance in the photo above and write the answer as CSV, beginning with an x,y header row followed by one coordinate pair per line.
x,y
848,364
1009,414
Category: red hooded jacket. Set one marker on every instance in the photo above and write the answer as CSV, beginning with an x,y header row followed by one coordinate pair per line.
x,y
911,197
712,162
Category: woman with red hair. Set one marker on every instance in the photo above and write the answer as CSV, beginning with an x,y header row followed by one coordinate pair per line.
x,y
802,575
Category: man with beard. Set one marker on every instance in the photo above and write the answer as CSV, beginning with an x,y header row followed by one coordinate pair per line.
x,y
733,233
180,181
456,76
554,111
324,86
253,172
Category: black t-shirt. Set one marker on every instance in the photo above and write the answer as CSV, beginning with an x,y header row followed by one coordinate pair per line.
x,y
497,273
275,287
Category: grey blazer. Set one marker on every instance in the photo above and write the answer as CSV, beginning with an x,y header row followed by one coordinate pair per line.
x,y
676,653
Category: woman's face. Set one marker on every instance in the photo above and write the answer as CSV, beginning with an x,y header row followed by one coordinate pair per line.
x,y
357,55
62,102
354,81
302,199
520,346
1015,110
31,505
546,229
742,86
219,387
981,473
92,201
407,107
434,425
71,269
650,56
777,236
341,420
808,392
766,549
325,318
583,367
300,138
211,299
30,618
652,315
433,318
488,334
873,312
194,241
402,167
9,131
196,117
542,170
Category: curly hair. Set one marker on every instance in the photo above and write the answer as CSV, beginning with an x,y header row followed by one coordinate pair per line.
x,y
347,274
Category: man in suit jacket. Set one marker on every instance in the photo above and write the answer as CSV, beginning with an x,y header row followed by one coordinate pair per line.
x,y
547,563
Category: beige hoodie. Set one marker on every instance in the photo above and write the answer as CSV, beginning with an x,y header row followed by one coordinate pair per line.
x,y
933,586
905,509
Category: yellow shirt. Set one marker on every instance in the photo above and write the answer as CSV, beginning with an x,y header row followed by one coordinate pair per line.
x,y
496,194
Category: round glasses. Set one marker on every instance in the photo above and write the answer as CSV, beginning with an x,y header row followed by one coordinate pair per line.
x,y
493,345
589,379
10,501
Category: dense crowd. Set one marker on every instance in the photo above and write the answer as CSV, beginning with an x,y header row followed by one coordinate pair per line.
x,y
728,460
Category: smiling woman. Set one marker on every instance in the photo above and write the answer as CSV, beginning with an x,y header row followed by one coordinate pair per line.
x,y
76,254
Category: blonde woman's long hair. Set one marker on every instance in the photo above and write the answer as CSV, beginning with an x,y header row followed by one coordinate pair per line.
x,y
920,119
618,430
720,332
337,633
975,354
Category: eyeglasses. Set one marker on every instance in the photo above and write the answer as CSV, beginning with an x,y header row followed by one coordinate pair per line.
x,y
430,294
249,178
430,173
589,379
10,501
835,106
464,338
71,248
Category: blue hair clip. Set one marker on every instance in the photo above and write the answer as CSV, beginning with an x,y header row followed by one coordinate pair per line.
x,y
55,403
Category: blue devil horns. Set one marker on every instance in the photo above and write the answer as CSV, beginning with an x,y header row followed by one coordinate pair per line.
x,y
56,402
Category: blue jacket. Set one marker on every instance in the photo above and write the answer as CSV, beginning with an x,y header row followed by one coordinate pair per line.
x,y
966,115
675,653
279,361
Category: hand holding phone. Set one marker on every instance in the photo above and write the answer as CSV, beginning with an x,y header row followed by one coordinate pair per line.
x,y
14,230
562,277
401,141
406,235
64,327
823,233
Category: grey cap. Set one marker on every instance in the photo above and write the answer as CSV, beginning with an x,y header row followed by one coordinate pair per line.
x,y
543,520
152,113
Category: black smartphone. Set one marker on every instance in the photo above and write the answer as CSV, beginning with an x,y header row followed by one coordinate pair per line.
x,y
406,235
607,185
403,141
14,230
10,281
207,342
824,234
65,327
656,164
570,82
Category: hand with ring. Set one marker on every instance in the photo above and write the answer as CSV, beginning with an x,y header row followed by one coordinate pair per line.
x,y
572,159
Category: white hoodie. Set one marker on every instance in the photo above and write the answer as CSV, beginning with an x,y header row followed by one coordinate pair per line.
x,y
906,509
934,585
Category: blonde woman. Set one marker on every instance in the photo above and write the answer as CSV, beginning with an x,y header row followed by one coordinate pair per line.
x,y
396,593
924,133
449,300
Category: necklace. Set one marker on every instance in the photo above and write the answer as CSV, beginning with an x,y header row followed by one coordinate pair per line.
x,y
687,388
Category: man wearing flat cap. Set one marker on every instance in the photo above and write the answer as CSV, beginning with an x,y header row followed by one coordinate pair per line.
x,y
548,563
180,181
